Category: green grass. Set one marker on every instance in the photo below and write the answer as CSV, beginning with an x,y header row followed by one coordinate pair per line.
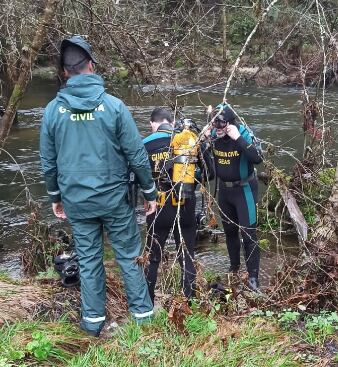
x,y
49,274
156,344
108,253
198,324
257,341
5,277
40,341
258,347
319,328
210,275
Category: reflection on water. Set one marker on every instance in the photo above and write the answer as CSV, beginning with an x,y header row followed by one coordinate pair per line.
x,y
273,113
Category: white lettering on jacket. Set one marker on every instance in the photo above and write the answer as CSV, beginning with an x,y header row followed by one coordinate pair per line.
x,y
86,116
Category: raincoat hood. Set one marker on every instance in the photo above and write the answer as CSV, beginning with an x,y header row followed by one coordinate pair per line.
x,y
83,92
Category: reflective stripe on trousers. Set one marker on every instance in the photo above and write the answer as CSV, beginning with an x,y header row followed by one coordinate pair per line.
x,y
94,319
123,232
144,314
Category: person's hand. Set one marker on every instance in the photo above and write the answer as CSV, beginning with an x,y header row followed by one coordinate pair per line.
x,y
150,207
232,132
58,210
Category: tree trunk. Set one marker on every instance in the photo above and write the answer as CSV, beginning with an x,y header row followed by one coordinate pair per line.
x,y
224,24
9,71
28,57
296,215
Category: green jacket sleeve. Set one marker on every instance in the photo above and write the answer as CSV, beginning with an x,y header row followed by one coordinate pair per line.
x,y
135,152
48,160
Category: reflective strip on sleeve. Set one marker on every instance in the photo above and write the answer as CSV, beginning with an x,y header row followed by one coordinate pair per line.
x,y
53,192
150,190
144,314
94,319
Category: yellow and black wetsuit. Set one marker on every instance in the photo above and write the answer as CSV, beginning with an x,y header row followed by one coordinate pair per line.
x,y
237,196
161,223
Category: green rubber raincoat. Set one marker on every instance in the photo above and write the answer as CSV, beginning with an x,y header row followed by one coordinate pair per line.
x,y
88,142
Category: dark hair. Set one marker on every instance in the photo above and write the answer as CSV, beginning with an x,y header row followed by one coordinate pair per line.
x,y
159,114
74,59
228,115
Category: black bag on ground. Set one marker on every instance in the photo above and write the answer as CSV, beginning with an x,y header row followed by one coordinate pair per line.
x,y
67,266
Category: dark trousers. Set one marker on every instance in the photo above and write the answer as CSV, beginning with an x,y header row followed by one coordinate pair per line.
x,y
159,226
239,215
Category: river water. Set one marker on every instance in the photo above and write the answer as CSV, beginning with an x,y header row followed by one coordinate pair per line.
x,y
273,114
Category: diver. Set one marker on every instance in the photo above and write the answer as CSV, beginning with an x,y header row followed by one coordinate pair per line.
x,y
171,196
235,155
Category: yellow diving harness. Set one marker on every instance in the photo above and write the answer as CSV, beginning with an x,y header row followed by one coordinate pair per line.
x,y
184,154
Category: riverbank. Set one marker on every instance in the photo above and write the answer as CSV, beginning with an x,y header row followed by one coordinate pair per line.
x,y
252,342
207,336
177,41
262,77
264,340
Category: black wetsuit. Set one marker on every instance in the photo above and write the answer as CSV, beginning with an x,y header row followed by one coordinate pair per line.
x,y
158,230
237,196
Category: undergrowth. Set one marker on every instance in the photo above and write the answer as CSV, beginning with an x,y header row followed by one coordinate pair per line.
x,y
264,339
5,276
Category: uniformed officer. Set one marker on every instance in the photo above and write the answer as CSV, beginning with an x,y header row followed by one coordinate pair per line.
x,y
165,219
235,156
88,139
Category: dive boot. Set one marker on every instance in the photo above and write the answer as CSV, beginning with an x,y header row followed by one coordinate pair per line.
x,y
233,269
253,284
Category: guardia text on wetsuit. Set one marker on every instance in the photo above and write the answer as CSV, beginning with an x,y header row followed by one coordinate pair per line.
x,y
161,223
